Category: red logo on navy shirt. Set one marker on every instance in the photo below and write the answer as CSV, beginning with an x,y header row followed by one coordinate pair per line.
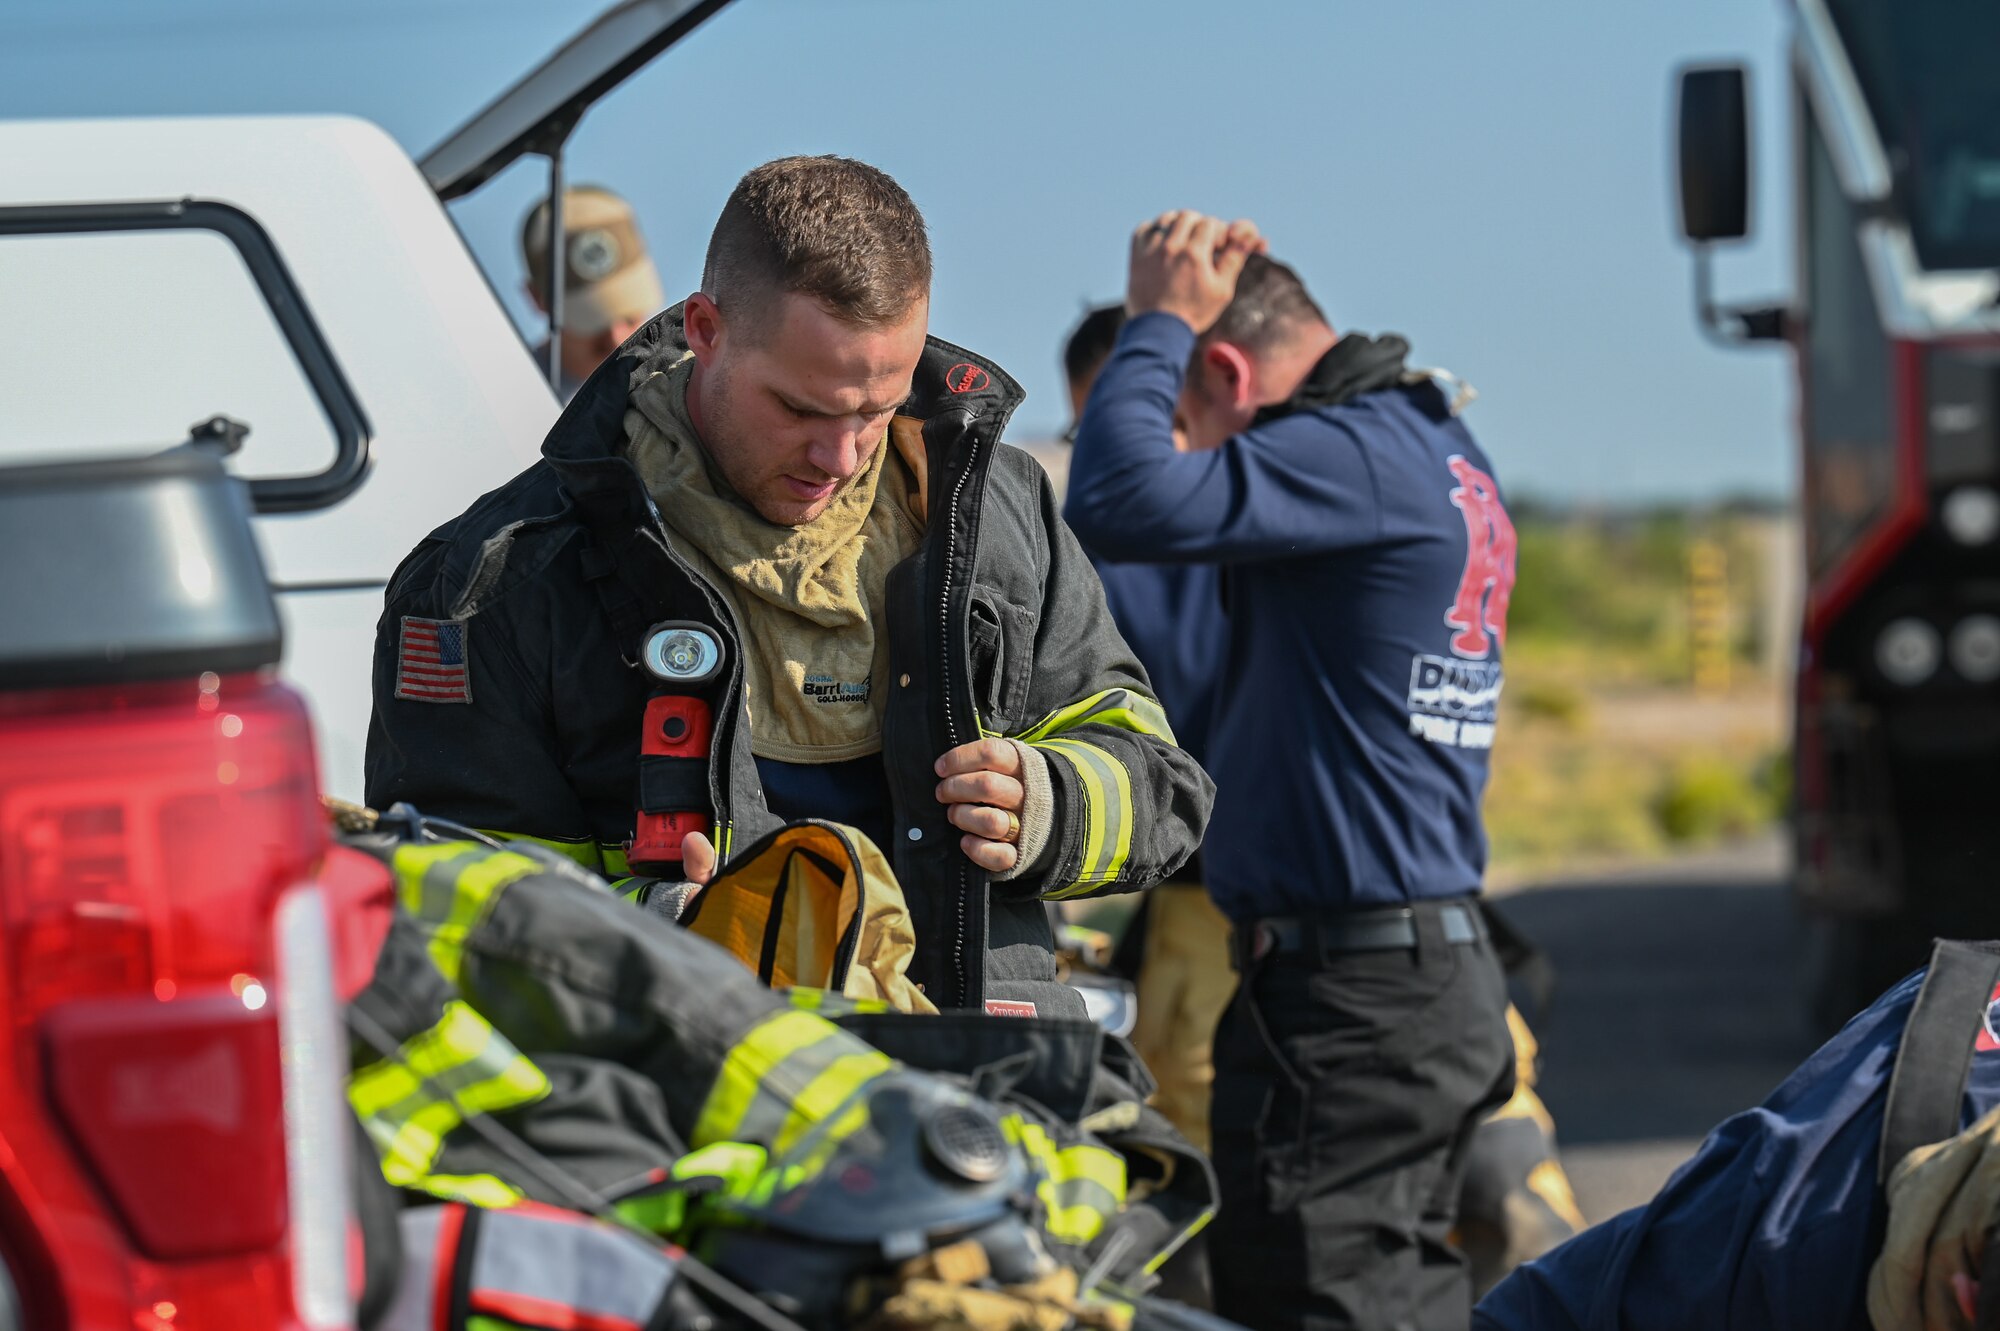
x,y
1987,1041
1479,611
965,378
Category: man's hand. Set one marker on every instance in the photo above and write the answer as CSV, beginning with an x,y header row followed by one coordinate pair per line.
x,y
983,796
1186,264
697,858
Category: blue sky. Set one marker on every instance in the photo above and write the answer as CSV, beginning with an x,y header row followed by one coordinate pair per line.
x,y
1493,181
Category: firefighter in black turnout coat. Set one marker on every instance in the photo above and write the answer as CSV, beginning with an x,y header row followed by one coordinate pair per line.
x,y
773,564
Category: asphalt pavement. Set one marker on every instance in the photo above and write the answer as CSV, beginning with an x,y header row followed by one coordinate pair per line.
x,y
1678,1001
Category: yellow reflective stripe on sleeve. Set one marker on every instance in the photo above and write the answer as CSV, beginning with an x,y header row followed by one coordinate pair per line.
x,y
744,1068
826,1094
615,863
1089,1190
1122,709
827,1003
486,1191
1094,1165
459,1067
583,852
449,889
1107,799
1080,1187
791,1071
630,888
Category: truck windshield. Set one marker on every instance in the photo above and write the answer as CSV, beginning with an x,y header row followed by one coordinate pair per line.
x,y
1926,69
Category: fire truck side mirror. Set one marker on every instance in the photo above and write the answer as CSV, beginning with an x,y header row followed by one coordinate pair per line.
x,y
1715,153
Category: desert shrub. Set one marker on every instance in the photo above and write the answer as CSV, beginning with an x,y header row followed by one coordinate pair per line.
x,y
1706,798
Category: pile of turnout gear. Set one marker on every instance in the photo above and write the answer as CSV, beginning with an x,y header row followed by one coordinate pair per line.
x,y
578,1112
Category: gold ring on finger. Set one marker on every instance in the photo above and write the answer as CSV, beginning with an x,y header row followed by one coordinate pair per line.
x,y
1013,828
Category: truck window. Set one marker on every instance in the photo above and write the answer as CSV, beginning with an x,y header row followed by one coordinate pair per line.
x,y
117,342
1850,446
1926,70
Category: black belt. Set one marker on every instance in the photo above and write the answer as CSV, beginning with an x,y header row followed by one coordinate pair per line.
x,y
1352,931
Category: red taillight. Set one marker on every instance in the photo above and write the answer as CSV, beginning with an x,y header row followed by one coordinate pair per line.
x,y
179,1107
147,837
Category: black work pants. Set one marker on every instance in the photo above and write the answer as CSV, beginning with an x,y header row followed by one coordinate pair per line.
x,y
1347,1087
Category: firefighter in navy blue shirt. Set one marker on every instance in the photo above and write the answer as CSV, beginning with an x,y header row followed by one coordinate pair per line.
x,y
1776,1220
1366,563
1517,1202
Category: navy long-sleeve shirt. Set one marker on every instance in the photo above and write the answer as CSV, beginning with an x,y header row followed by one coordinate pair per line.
x,y
1772,1225
1171,618
1366,563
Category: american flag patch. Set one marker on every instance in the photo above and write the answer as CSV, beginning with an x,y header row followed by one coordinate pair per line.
x,y
430,665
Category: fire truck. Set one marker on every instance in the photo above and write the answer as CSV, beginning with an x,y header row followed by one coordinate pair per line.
x,y
1895,331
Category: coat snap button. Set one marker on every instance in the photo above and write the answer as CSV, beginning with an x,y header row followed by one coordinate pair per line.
x,y
916,834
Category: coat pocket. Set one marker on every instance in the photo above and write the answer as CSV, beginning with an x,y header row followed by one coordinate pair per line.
x,y
1002,638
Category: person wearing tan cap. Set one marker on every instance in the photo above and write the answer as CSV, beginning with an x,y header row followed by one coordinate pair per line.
x,y
610,286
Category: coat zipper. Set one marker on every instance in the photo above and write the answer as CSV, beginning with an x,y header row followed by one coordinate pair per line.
x,y
962,915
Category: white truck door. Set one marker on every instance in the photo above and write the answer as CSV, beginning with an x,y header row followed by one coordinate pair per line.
x,y
117,341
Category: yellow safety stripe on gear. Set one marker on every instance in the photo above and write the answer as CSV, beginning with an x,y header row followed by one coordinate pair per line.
x,y
735,1163
485,1191
828,1093
723,837
583,852
630,888
827,1003
438,1078
824,1139
1121,709
1094,1165
615,864
450,899
1107,803
1180,1240
662,1212
791,1071
1080,1187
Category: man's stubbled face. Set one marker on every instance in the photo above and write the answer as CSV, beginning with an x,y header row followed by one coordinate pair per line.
x,y
791,410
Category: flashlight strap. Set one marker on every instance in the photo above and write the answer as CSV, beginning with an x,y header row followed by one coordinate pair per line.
x,y
673,785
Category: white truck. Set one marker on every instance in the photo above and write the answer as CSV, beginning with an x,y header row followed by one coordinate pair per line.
x,y
300,276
